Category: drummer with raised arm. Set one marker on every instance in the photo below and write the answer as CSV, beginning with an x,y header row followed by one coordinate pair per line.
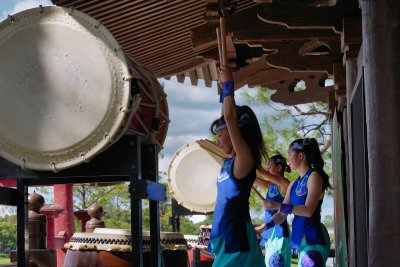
x,y
233,239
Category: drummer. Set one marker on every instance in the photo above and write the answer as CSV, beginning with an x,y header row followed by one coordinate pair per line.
x,y
275,239
233,239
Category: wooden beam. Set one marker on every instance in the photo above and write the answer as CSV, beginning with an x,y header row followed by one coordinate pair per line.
x,y
193,77
332,103
260,73
180,77
206,75
287,56
295,16
339,76
183,67
241,76
245,26
351,38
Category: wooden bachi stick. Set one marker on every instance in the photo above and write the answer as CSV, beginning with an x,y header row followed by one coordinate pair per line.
x,y
258,193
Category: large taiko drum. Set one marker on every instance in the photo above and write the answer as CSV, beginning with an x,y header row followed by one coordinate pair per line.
x,y
192,175
68,91
107,247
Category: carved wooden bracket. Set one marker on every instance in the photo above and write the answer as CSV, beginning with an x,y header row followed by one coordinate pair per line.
x,y
288,55
260,73
298,16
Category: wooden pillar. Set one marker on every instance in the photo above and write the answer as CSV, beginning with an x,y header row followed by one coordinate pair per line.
x,y
381,48
64,224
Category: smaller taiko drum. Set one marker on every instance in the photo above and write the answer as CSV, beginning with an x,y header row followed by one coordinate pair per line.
x,y
192,175
107,247
204,236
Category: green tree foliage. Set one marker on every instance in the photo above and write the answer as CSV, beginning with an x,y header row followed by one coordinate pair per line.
x,y
114,198
8,232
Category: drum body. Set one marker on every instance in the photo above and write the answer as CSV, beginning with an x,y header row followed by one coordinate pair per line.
x,y
107,247
151,119
68,91
192,175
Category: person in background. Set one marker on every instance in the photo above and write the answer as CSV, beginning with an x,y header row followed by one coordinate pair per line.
x,y
274,239
233,239
304,199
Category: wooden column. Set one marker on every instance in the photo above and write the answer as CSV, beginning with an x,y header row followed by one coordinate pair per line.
x,y
381,48
64,224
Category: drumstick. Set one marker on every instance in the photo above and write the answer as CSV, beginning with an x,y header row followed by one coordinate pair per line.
x,y
219,46
220,56
223,41
258,193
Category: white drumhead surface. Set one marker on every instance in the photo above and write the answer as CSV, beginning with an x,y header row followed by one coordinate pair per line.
x,y
192,176
62,87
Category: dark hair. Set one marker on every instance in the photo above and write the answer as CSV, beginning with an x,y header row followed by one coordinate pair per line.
x,y
249,129
310,148
278,159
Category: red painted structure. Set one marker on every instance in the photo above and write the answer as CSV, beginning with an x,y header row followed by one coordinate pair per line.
x,y
64,226
51,214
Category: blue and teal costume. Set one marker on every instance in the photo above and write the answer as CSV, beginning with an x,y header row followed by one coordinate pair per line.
x,y
233,239
309,235
276,239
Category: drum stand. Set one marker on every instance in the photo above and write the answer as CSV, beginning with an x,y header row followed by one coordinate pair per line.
x,y
125,160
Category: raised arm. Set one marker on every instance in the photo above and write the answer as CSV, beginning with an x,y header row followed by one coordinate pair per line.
x,y
262,183
244,161
281,181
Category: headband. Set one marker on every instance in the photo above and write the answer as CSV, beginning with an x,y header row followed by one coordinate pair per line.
x,y
279,160
300,146
242,121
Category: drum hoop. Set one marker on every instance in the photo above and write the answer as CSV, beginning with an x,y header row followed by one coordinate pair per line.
x,y
210,147
120,110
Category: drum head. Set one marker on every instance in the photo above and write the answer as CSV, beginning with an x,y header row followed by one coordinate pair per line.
x,y
192,175
65,88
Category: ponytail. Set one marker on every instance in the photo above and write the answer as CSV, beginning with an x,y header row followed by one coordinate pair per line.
x,y
310,148
280,160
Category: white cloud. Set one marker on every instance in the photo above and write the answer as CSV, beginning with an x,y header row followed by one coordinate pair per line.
x,y
15,6
27,4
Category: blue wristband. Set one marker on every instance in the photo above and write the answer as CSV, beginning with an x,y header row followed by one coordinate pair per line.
x,y
269,225
286,208
226,90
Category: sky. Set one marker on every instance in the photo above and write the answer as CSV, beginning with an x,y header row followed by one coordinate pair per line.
x,y
10,7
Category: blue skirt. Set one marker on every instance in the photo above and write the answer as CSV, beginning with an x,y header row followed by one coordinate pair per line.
x,y
251,258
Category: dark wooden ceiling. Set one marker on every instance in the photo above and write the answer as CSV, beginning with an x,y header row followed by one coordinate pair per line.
x,y
270,43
